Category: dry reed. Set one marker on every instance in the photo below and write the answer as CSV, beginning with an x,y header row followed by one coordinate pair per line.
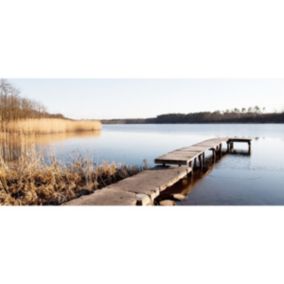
x,y
51,125
32,181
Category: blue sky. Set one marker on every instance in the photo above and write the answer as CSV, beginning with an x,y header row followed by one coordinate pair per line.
x,y
129,98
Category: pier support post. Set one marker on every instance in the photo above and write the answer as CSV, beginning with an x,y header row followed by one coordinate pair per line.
x,y
230,146
213,155
194,163
220,150
200,159
190,176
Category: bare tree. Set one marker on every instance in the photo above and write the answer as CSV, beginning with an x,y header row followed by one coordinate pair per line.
x,y
13,107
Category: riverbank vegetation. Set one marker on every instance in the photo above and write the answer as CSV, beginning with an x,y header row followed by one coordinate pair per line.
x,y
34,181
50,126
244,115
28,177
25,116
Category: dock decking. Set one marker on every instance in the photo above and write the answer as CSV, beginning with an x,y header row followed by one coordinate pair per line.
x,y
143,188
140,189
188,156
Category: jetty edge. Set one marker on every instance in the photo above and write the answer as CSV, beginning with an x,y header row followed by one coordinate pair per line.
x,y
142,189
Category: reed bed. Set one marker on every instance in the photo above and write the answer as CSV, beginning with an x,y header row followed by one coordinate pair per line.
x,y
51,126
33,181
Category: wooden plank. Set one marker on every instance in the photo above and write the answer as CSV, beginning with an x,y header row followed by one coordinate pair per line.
x,y
218,140
179,158
191,152
185,154
152,182
106,197
199,149
192,149
180,162
245,140
210,142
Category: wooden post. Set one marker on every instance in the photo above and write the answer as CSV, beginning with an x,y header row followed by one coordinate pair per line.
x,y
190,176
249,146
213,155
194,163
230,146
200,162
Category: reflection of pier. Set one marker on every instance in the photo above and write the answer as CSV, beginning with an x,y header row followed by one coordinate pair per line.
x,y
145,187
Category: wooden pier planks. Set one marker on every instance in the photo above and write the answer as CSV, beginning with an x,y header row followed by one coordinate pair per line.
x,y
142,188
177,158
185,156
105,197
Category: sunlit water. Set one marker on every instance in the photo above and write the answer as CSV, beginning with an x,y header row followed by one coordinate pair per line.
x,y
234,180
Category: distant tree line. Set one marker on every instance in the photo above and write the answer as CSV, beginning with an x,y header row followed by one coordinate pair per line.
x,y
14,107
244,115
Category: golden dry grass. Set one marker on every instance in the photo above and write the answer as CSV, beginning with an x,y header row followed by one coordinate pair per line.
x,y
32,181
51,125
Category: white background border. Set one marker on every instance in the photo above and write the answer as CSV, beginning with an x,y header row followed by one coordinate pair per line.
x,y
141,39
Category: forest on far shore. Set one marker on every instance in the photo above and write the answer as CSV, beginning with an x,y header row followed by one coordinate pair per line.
x,y
244,115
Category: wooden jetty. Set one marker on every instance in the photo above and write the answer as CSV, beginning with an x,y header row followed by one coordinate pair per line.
x,y
190,156
143,188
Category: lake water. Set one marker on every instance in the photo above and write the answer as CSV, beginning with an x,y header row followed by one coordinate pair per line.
x,y
235,180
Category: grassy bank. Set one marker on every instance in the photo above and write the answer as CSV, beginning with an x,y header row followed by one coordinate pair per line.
x,y
32,181
50,126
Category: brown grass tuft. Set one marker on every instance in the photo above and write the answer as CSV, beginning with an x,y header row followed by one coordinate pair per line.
x,y
32,181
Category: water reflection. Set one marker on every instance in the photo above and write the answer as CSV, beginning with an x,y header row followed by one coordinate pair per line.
x,y
13,145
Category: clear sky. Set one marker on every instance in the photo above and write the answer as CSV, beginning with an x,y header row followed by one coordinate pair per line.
x,y
123,98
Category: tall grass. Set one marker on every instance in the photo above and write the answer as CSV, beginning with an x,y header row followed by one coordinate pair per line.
x,y
32,181
51,125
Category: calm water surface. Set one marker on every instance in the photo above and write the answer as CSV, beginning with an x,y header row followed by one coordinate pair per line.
x,y
235,180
